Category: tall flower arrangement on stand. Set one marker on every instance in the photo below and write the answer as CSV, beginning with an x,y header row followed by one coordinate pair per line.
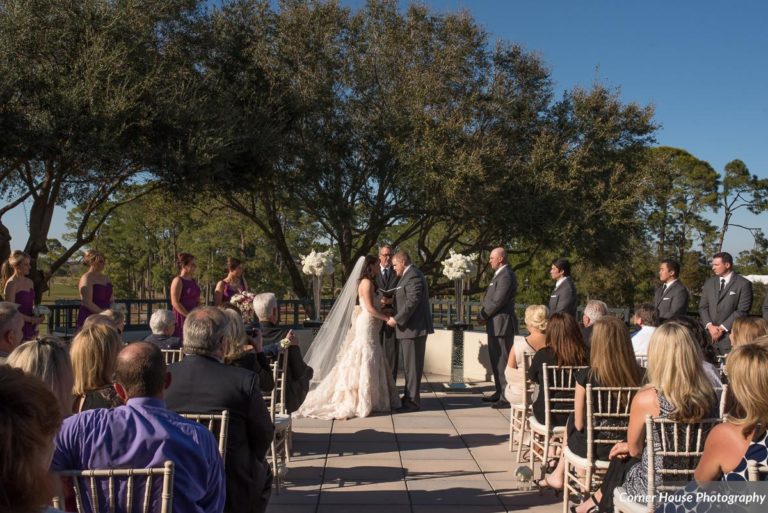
x,y
458,267
316,264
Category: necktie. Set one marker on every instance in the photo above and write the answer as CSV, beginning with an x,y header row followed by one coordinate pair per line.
x,y
664,289
386,274
722,284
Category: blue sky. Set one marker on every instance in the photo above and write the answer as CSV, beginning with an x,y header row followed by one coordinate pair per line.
x,y
702,64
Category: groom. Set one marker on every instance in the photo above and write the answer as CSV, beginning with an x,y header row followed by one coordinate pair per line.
x,y
412,323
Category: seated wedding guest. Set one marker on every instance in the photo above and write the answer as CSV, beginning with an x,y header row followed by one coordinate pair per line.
x,y
563,346
611,364
117,317
163,323
48,359
536,323
144,434
29,420
645,318
94,355
743,435
11,329
708,352
202,383
238,351
677,388
299,374
593,312
748,328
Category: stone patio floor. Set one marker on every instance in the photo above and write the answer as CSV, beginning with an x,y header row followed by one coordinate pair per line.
x,y
452,456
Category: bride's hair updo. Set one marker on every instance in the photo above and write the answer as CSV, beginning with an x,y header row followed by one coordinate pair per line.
x,y
369,269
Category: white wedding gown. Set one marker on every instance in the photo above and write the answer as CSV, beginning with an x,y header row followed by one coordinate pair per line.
x,y
361,380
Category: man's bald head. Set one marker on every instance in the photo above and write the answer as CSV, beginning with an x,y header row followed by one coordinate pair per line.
x,y
498,258
141,370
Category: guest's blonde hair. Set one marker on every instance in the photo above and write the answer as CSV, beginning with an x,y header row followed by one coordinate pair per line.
x,y
48,359
234,336
675,368
94,356
536,316
747,369
746,329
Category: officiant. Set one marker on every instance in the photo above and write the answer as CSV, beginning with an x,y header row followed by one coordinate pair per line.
x,y
386,281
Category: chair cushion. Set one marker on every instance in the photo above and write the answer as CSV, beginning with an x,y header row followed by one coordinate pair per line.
x,y
538,427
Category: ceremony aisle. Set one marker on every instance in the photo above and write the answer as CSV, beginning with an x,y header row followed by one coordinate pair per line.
x,y
450,457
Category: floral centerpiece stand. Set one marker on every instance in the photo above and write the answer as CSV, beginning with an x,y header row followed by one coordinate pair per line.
x,y
316,264
458,268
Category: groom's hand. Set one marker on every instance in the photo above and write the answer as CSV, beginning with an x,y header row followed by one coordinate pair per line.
x,y
391,322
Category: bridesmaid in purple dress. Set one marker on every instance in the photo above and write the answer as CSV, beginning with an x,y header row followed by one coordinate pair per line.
x,y
233,284
185,294
95,288
19,289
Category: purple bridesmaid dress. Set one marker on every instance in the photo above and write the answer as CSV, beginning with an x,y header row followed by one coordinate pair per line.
x,y
101,297
190,298
26,301
228,292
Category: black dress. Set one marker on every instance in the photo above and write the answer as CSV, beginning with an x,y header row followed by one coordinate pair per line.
x,y
104,397
543,356
577,439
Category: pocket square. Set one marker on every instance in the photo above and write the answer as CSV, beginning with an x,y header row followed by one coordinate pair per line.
x,y
666,299
490,284
731,293
553,295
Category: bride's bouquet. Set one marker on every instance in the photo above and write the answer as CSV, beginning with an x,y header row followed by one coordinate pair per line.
x,y
41,310
459,266
243,301
317,263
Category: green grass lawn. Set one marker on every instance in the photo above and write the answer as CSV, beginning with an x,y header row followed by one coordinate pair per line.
x,y
62,287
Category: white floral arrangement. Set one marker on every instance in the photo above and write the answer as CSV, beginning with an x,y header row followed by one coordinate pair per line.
x,y
243,301
285,343
459,266
317,263
41,310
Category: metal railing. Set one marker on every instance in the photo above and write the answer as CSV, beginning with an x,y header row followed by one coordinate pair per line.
x,y
291,312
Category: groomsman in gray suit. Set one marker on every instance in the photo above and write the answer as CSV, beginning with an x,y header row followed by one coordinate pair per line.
x,y
498,315
387,280
563,298
412,323
724,297
671,297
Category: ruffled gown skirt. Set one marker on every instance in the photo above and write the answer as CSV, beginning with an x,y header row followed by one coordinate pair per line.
x,y
361,381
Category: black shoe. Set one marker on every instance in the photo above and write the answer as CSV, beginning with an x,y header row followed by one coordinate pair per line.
x,y
491,398
408,406
500,404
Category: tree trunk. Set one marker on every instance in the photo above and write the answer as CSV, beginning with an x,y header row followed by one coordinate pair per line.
x,y
5,243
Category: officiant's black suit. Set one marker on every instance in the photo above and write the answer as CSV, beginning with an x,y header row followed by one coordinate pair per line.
x,y
388,280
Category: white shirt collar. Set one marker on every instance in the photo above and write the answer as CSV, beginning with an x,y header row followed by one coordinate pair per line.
x,y
727,278
499,270
669,283
559,281
406,269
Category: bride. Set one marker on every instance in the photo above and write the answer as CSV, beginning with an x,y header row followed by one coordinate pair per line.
x,y
352,377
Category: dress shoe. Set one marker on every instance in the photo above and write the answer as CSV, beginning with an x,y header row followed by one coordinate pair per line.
x,y
491,398
408,406
500,404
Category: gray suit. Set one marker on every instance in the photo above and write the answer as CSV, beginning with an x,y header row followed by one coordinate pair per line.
x,y
498,309
564,298
765,305
414,323
387,335
671,301
721,308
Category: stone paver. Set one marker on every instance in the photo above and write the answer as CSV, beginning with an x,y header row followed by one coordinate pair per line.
x,y
450,457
